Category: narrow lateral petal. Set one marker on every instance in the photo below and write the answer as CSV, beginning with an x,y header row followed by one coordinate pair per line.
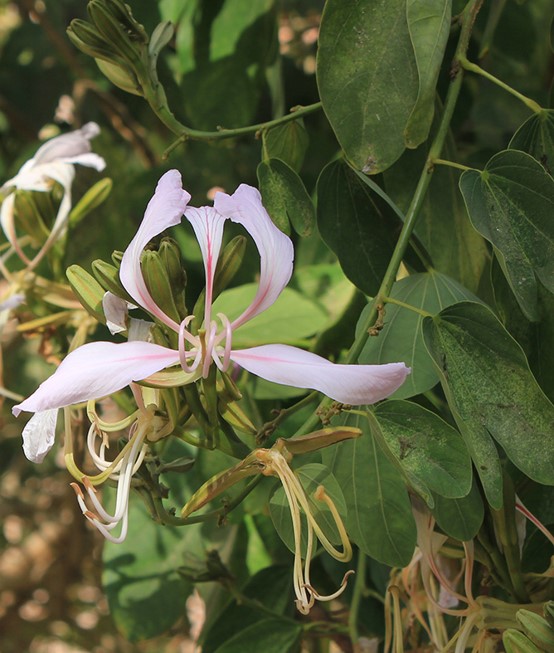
x,y
68,146
95,370
349,384
276,251
208,228
164,210
39,434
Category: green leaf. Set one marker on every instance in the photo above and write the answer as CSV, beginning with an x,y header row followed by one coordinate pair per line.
x,y
287,142
401,338
429,27
268,635
379,518
460,518
431,453
272,587
536,137
285,197
491,392
356,224
511,204
311,476
367,78
291,319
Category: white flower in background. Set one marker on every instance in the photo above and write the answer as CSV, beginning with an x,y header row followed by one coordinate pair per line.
x,y
53,162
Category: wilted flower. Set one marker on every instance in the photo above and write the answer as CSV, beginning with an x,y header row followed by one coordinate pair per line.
x,y
53,162
101,368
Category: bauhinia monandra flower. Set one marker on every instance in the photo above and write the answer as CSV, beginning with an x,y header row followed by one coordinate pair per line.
x,y
53,162
101,368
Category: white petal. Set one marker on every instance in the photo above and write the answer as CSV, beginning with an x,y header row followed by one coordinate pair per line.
x,y
68,147
164,210
208,228
349,384
116,312
276,251
95,370
39,434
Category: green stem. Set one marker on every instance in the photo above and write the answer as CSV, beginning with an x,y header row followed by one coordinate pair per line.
x,y
468,18
397,302
474,68
450,164
495,12
358,593
269,427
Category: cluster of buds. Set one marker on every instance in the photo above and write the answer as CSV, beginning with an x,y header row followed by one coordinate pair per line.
x,y
120,45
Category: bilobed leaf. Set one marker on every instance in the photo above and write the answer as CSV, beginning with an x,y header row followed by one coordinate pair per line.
x,y
311,476
430,452
288,142
460,518
491,392
268,635
379,518
367,98
429,27
292,317
536,137
356,224
401,338
511,203
285,197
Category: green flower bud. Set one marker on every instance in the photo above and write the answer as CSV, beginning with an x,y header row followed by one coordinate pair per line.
x,y
170,255
537,629
88,291
158,283
516,642
90,200
108,277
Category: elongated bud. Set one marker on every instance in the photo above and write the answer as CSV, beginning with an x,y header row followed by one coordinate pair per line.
x,y
549,612
86,38
90,200
88,291
161,36
218,483
318,439
107,276
121,76
537,629
116,25
170,254
158,283
516,642
236,417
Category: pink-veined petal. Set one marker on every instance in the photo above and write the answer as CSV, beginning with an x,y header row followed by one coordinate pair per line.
x,y
208,229
164,210
95,370
39,434
349,384
276,251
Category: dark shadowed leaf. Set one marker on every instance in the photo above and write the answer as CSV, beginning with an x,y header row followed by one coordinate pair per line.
x,y
356,224
511,203
285,197
460,518
429,27
379,518
536,137
492,392
401,338
268,635
431,453
367,98
287,142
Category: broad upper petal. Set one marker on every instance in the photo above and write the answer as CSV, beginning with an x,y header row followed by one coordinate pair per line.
x,y
208,228
39,434
95,370
349,384
70,147
164,210
276,251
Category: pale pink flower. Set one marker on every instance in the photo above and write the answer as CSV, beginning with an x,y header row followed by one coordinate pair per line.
x,y
101,368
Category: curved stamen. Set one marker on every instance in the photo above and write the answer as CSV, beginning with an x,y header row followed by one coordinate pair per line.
x,y
185,336
227,335
210,338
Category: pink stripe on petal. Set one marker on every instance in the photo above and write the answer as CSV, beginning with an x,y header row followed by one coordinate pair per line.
x,y
276,251
208,228
95,370
164,210
349,384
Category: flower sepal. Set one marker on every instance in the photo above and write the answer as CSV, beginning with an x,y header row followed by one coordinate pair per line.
x,y
317,440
